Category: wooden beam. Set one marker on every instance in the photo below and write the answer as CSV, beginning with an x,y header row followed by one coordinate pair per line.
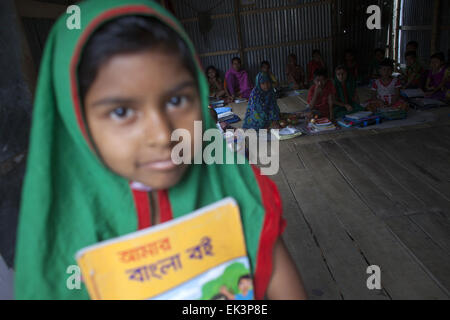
x,y
218,53
237,5
278,45
416,28
264,10
37,9
28,65
435,31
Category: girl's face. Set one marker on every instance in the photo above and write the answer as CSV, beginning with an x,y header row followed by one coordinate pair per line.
x,y
320,81
237,65
379,56
385,72
436,64
292,60
317,56
341,75
265,68
265,86
135,103
212,74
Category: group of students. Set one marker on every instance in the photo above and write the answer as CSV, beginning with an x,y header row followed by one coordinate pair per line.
x,y
332,98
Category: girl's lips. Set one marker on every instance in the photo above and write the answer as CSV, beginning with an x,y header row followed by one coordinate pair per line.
x,y
165,165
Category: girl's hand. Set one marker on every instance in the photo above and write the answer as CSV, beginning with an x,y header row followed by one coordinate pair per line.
x,y
318,91
349,107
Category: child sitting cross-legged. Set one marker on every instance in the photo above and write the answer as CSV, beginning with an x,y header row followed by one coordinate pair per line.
x,y
386,90
346,100
320,95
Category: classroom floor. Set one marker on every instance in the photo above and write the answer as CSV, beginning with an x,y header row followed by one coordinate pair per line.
x,y
359,198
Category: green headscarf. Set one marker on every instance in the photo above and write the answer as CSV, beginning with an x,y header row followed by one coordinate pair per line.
x,y
70,199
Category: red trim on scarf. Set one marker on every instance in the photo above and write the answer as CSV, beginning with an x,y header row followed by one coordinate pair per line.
x,y
142,203
273,227
165,210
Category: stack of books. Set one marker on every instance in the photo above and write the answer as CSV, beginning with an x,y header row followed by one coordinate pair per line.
x,y
360,119
228,117
392,114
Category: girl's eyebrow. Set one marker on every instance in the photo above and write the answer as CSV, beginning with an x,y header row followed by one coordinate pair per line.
x,y
181,86
113,101
127,101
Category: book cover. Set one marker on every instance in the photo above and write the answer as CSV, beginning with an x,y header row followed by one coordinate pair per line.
x,y
200,256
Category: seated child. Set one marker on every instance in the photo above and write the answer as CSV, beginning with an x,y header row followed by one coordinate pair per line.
x,y
238,81
315,64
438,82
412,46
295,73
101,162
386,89
351,65
320,95
216,85
374,68
265,67
413,72
346,100
262,110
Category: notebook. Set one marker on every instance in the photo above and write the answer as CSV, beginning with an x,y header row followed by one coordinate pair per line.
x,y
200,256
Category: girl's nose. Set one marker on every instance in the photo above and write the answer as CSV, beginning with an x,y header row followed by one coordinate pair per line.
x,y
158,128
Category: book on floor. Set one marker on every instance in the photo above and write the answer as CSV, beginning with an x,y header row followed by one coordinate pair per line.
x,y
201,256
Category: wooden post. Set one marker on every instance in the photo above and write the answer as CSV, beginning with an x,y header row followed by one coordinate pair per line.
x,y
237,5
27,62
436,26
335,33
396,43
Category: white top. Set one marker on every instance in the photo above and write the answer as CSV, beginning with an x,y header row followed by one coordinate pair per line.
x,y
386,92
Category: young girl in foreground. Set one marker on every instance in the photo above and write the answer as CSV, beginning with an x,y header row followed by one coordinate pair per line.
x,y
99,166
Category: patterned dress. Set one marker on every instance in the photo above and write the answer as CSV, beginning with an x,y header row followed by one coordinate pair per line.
x,y
262,108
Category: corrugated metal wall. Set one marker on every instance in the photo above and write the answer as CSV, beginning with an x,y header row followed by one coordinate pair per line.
x,y
281,29
353,34
419,13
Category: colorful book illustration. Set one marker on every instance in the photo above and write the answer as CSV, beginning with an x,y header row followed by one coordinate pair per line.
x,y
201,256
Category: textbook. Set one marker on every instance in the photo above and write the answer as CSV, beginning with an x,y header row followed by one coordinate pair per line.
x,y
287,133
201,256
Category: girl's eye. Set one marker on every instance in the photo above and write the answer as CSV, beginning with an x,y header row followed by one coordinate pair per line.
x,y
177,102
121,113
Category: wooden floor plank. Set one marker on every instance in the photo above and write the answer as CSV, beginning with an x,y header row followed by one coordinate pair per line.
x,y
405,148
428,253
375,172
317,279
376,242
342,256
371,194
436,226
434,201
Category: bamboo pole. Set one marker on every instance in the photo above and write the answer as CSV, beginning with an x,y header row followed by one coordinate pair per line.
x,y
396,43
